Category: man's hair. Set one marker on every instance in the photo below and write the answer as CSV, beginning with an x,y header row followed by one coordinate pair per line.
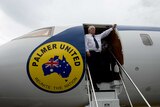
x,y
90,27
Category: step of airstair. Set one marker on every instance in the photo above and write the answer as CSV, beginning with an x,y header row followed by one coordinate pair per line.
x,y
107,99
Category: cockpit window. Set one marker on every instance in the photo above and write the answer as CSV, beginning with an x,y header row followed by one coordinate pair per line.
x,y
146,39
44,32
40,32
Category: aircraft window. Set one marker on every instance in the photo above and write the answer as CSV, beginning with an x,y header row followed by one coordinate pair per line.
x,y
40,32
146,39
44,32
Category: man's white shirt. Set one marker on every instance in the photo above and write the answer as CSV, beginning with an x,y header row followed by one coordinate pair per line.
x,y
89,41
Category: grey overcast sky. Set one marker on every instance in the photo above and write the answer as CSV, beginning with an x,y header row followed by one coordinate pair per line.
x,y
18,17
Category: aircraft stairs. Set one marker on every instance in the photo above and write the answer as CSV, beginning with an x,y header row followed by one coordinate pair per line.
x,y
104,98
109,97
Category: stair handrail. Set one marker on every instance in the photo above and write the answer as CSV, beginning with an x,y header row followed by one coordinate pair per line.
x,y
88,88
125,72
126,91
92,87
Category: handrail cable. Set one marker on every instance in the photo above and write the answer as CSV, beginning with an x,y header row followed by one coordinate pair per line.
x,y
123,69
125,88
90,79
89,93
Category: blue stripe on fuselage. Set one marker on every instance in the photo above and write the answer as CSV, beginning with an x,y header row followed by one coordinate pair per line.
x,y
137,28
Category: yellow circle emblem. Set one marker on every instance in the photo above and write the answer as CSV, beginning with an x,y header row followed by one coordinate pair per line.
x,y
55,67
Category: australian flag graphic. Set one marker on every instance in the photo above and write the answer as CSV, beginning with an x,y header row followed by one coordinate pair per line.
x,y
56,65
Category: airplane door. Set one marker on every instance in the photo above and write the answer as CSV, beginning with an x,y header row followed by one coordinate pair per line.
x,y
116,46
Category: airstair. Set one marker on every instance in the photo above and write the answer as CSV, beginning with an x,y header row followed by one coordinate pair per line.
x,y
109,97
103,98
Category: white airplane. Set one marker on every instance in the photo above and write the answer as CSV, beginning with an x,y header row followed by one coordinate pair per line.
x,y
47,68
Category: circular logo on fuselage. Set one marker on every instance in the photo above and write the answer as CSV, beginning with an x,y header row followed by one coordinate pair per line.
x,y
55,67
